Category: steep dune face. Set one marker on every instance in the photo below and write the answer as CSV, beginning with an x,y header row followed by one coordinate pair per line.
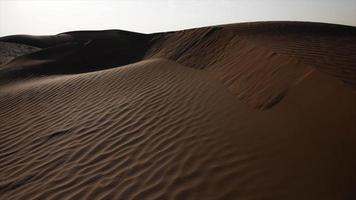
x,y
323,46
259,61
230,112
258,76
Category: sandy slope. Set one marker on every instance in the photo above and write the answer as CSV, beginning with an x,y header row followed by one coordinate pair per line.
x,y
230,112
9,51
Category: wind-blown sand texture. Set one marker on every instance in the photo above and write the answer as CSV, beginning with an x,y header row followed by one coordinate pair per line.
x,y
245,111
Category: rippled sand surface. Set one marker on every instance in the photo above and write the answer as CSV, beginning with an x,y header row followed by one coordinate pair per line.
x,y
245,111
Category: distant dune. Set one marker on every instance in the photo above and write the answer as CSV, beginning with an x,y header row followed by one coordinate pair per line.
x,y
248,111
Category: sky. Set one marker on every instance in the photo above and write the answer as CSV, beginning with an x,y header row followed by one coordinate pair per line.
x,y
41,17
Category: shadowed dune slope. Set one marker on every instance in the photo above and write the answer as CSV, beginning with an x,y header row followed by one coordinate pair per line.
x,y
9,51
43,41
84,51
230,112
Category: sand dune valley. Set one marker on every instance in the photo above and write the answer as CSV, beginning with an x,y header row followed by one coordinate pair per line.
x,y
247,111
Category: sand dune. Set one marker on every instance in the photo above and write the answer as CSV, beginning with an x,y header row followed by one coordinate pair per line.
x,y
9,51
243,111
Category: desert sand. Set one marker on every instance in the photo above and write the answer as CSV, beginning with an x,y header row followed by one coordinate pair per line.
x,y
248,111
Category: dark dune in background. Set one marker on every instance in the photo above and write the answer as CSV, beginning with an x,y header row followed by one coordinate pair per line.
x,y
244,111
9,51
